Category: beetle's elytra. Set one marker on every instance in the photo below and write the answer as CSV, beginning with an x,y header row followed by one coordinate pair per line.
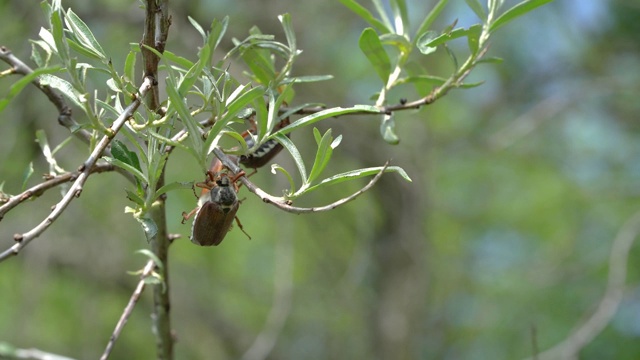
x,y
217,207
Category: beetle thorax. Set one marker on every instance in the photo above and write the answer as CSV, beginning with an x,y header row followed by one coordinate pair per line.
x,y
224,194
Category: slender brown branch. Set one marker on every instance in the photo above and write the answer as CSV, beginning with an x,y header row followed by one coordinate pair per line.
x,y
128,310
279,202
156,30
24,239
41,188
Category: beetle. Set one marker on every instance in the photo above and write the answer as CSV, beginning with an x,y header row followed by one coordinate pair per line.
x,y
217,207
265,152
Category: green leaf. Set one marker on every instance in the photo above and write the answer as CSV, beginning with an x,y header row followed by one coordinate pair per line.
x,y
195,71
307,79
425,39
473,38
433,14
149,254
323,155
490,60
401,17
198,28
297,158
516,11
232,110
366,15
477,8
177,103
84,35
388,130
398,41
218,29
173,186
448,36
320,115
65,88
179,60
382,13
58,37
27,174
130,66
17,87
260,64
356,174
129,168
292,184
122,153
285,20
371,46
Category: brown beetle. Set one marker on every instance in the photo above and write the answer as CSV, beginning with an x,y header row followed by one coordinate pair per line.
x,y
265,152
217,207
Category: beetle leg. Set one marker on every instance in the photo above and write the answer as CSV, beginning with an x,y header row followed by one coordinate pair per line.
x,y
241,228
186,216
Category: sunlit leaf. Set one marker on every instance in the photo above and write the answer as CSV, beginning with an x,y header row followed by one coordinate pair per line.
x,y
82,32
371,46
477,8
430,18
295,153
320,115
516,11
366,15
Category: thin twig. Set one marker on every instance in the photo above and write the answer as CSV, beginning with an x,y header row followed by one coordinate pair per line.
x,y
146,272
279,202
39,189
582,335
23,240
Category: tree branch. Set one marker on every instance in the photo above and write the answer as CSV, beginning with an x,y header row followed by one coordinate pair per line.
x,y
40,189
156,30
23,240
146,272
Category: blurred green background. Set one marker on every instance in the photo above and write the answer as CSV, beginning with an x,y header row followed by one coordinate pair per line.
x,y
498,249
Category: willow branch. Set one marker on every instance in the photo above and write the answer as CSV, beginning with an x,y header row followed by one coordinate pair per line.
x,y
128,310
48,184
24,239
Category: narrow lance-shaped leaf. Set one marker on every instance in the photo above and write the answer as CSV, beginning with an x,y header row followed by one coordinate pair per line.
x,y
320,115
293,150
430,18
366,15
401,16
356,174
372,48
477,8
84,35
516,11
323,155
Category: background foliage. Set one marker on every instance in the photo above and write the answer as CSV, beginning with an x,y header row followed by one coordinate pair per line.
x,y
519,187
